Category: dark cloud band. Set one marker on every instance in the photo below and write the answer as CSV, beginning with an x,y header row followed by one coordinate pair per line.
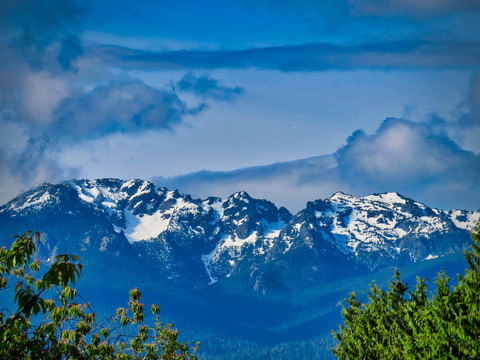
x,y
305,57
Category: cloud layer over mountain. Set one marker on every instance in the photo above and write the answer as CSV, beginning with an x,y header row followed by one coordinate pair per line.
x,y
400,156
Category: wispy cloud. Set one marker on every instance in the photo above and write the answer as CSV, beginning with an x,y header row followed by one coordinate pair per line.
x,y
207,87
26,159
465,128
291,184
422,9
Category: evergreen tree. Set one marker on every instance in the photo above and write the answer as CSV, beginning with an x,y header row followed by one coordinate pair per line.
x,y
392,325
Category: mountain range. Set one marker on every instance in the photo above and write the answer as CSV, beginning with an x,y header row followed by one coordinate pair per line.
x,y
199,242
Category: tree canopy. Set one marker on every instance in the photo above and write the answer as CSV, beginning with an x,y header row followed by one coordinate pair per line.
x,y
397,324
53,322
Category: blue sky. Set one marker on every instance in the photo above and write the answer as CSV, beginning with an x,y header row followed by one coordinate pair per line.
x,y
377,95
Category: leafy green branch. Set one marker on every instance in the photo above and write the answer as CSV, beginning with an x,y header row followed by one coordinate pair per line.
x,y
59,326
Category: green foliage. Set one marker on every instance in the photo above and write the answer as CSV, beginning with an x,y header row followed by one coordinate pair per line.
x,y
394,325
50,323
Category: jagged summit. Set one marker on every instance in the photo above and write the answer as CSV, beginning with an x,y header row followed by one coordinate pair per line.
x,y
203,241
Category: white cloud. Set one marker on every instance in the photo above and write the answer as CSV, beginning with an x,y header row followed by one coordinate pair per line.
x,y
412,159
42,92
